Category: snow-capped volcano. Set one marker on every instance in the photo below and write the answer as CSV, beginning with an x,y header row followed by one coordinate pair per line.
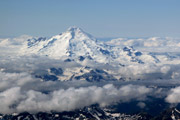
x,y
77,44
72,43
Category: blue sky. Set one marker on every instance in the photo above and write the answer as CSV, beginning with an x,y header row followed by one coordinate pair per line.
x,y
101,18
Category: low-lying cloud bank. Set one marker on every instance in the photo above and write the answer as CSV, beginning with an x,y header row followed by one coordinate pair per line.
x,y
38,65
20,91
152,44
17,99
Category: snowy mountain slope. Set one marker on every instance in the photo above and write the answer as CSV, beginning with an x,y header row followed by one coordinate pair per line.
x,y
79,45
73,43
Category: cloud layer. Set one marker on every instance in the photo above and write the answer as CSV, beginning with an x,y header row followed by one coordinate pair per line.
x,y
21,91
16,97
174,95
152,44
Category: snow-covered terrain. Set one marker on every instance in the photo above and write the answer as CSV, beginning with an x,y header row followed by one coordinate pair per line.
x,y
77,44
118,59
73,70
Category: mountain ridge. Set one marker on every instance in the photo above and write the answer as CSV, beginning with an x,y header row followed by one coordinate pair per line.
x,y
75,43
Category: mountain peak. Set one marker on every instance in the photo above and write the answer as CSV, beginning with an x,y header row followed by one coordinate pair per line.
x,y
74,28
78,33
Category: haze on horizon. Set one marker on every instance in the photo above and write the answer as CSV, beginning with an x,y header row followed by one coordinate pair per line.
x,y
102,18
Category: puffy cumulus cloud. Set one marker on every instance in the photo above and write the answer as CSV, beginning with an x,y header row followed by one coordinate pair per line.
x,y
17,100
9,99
174,95
145,72
20,91
8,80
27,82
150,71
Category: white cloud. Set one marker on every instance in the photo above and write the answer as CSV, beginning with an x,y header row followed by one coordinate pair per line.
x,y
9,80
20,91
16,99
152,44
9,99
174,95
